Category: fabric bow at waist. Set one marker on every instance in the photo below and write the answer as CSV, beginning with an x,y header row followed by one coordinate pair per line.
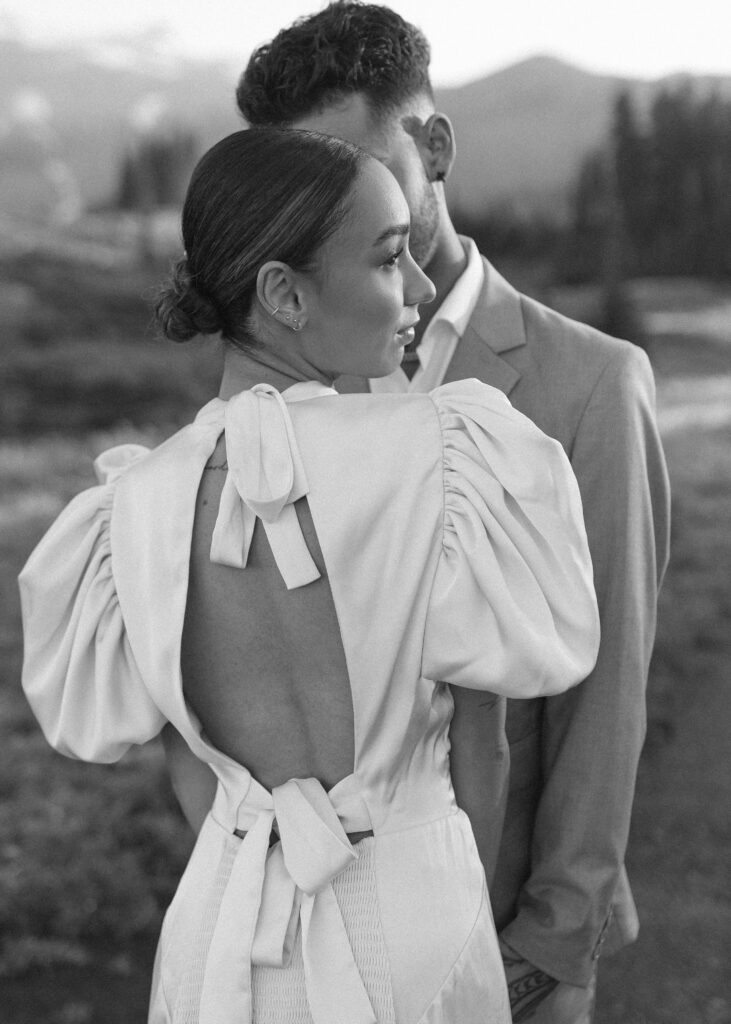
x,y
268,892
265,477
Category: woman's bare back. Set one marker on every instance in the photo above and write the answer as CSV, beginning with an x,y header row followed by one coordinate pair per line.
x,y
263,667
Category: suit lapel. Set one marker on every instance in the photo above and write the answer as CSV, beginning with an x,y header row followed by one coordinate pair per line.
x,y
496,326
473,357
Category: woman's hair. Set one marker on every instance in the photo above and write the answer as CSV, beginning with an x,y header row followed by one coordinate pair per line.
x,y
257,195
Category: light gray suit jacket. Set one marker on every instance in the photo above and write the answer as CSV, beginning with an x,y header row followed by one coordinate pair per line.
x,y
549,783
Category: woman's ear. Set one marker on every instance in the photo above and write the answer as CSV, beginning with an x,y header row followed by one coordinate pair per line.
x,y
278,291
436,144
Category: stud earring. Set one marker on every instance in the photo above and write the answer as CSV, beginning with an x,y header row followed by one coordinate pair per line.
x,y
440,176
291,322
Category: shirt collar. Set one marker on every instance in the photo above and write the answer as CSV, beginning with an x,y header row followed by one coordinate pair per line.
x,y
460,302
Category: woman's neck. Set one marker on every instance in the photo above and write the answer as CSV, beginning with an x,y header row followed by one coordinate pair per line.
x,y
243,369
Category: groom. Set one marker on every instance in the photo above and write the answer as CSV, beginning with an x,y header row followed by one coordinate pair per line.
x,y
548,783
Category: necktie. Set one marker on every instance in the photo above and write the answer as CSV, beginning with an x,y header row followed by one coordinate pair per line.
x,y
410,362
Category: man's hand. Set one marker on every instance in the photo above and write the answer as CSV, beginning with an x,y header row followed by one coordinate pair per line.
x,y
527,985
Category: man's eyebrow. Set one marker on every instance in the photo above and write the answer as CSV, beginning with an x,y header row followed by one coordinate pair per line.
x,y
395,229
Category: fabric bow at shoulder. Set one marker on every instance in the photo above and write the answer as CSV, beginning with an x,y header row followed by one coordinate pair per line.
x,y
265,477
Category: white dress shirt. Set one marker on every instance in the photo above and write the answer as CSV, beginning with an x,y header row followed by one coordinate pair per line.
x,y
440,339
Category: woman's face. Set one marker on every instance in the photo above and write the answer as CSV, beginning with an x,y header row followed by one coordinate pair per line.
x,y
362,297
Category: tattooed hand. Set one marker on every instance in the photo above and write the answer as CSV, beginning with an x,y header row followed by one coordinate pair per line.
x,y
527,985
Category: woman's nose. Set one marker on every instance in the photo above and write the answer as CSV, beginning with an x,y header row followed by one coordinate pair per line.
x,y
419,287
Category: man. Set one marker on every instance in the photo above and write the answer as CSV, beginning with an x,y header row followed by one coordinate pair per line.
x,y
550,806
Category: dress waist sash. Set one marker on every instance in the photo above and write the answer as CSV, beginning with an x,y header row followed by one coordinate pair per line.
x,y
270,890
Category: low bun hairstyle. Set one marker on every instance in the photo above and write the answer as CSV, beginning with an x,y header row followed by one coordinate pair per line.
x,y
182,311
260,194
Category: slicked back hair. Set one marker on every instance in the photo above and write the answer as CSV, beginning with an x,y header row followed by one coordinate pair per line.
x,y
347,48
257,195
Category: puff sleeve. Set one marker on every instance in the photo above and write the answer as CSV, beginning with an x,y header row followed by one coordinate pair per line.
x,y
512,608
79,672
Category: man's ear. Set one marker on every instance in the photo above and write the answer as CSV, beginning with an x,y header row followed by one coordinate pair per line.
x,y
435,141
277,288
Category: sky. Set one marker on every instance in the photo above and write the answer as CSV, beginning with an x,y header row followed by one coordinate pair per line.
x,y
470,38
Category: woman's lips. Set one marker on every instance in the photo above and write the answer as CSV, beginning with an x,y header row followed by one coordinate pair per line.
x,y
405,336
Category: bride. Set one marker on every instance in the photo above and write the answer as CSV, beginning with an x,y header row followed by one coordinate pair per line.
x,y
291,581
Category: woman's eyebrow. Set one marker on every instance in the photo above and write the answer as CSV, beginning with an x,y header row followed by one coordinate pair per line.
x,y
395,229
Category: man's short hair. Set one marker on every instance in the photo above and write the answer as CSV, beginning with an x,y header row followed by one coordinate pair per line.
x,y
347,48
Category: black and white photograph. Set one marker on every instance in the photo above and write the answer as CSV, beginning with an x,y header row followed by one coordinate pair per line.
x,y
365,492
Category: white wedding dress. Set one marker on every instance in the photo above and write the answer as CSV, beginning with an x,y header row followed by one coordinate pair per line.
x,y
455,552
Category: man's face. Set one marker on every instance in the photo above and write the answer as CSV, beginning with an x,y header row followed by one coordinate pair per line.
x,y
393,146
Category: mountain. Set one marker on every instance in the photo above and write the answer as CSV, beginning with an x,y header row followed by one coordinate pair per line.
x,y
523,131
67,116
82,109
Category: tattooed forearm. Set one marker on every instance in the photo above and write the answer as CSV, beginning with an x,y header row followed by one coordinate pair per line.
x,y
528,986
527,991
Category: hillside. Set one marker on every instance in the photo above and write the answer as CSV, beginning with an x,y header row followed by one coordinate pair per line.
x,y
67,116
523,131
83,112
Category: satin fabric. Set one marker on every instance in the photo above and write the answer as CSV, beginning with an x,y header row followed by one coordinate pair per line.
x,y
455,551
268,894
263,480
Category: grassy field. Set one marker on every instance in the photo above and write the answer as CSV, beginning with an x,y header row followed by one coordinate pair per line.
x,y
678,971
89,855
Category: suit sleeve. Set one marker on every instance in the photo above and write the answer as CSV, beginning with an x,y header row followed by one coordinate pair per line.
x,y
592,735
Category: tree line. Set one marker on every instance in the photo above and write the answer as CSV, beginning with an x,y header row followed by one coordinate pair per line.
x,y
658,194
654,199
154,172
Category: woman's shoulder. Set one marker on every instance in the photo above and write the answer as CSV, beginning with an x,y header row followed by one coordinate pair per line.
x,y
385,430
472,397
475,415
350,418
154,470
469,397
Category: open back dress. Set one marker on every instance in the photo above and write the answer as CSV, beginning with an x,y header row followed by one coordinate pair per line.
x,y
450,536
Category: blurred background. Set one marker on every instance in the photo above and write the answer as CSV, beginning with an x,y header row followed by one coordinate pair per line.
x,y
594,169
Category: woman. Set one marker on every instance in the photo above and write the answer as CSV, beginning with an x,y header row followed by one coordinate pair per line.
x,y
285,580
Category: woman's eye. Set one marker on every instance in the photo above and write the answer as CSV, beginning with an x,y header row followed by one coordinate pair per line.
x,y
393,259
